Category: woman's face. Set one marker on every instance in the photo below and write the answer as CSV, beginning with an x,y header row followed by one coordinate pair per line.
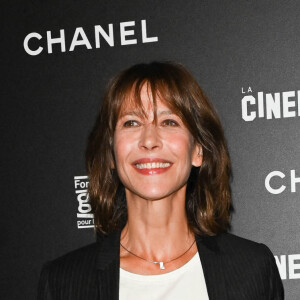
x,y
153,159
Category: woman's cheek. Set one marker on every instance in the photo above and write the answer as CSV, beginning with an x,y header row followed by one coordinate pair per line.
x,y
179,143
123,145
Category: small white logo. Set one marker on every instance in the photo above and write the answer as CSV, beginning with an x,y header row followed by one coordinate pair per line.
x,y
84,217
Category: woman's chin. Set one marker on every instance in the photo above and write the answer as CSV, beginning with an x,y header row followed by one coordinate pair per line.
x,y
151,193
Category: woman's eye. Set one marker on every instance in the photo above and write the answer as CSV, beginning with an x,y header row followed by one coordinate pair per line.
x,y
170,122
131,123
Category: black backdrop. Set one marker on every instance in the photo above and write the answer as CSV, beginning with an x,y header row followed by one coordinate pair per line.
x,y
233,48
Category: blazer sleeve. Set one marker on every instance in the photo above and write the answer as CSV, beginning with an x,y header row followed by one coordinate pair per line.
x,y
276,291
43,286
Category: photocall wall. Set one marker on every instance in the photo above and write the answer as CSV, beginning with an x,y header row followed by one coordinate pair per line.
x,y
56,61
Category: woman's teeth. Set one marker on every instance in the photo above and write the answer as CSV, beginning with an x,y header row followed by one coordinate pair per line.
x,y
153,165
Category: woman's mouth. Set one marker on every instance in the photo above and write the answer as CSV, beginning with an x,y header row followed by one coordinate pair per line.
x,y
151,166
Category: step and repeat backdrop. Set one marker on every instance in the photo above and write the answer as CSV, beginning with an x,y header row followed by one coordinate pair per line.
x,y
57,58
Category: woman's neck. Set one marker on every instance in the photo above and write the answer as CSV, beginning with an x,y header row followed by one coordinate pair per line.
x,y
157,229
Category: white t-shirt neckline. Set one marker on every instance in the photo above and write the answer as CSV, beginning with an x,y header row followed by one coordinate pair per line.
x,y
186,282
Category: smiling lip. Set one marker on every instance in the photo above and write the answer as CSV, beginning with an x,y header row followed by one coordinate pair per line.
x,y
151,166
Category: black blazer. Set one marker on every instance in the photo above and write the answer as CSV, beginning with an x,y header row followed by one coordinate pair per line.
x,y
234,268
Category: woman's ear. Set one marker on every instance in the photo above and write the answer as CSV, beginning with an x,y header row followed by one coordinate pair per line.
x,y
197,156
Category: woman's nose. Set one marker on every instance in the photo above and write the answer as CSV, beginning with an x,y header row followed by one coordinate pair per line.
x,y
150,138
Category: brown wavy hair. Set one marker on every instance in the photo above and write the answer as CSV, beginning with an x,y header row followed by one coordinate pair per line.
x,y
208,196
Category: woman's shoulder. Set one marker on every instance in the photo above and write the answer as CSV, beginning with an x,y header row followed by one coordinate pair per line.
x,y
59,275
87,257
230,240
241,253
233,245
73,261
247,265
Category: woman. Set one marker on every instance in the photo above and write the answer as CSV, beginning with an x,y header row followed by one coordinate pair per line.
x,y
159,187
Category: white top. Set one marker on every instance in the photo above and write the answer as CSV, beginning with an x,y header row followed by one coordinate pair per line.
x,y
187,282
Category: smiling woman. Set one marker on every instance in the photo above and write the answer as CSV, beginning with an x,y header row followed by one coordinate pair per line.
x,y
159,189
155,144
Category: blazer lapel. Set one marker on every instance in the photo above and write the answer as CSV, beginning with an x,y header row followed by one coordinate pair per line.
x,y
211,260
108,267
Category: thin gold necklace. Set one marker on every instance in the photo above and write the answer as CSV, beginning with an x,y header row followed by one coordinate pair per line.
x,y
161,263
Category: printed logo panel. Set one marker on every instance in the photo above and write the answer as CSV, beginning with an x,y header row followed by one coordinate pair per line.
x,y
85,219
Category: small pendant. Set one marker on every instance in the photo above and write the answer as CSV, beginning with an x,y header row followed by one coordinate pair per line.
x,y
161,265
